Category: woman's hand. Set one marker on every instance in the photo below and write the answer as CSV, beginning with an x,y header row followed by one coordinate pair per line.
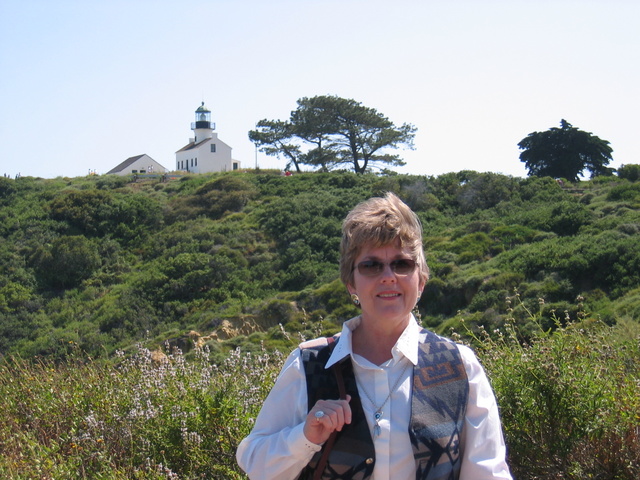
x,y
337,413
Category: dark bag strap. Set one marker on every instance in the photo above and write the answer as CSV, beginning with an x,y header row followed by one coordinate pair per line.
x,y
317,475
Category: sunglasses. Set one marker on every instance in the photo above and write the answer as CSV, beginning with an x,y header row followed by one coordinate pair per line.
x,y
372,268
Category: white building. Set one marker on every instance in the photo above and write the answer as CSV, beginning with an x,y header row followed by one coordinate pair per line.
x,y
138,164
205,152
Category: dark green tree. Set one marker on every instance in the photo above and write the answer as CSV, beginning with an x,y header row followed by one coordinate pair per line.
x,y
315,122
565,152
276,138
327,131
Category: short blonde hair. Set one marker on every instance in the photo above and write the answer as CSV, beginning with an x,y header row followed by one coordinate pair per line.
x,y
378,222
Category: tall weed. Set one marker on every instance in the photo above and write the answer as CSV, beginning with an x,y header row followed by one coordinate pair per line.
x,y
569,396
151,416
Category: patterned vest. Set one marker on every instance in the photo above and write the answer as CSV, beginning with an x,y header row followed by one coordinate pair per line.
x,y
438,406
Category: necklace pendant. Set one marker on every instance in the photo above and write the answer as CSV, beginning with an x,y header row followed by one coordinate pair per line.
x,y
376,428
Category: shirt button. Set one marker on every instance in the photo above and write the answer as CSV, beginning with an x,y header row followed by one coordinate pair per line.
x,y
369,461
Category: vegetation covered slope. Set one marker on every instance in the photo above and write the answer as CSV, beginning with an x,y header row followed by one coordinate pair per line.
x,y
103,263
540,278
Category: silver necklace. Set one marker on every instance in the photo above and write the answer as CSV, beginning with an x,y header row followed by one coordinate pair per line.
x,y
377,415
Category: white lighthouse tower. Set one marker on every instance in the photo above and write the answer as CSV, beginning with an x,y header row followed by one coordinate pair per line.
x,y
202,127
205,152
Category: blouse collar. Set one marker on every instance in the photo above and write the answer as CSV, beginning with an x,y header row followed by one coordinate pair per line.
x,y
407,344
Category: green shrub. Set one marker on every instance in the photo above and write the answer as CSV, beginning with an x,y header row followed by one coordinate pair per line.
x,y
508,236
66,262
473,246
484,190
624,192
488,299
277,312
629,172
7,187
628,306
569,398
98,212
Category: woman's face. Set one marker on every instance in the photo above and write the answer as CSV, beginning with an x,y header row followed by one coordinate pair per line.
x,y
389,296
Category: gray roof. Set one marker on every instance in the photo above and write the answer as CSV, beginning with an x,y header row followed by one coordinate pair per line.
x,y
125,164
194,145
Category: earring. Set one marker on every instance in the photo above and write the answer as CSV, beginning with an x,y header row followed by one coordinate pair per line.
x,y
355,299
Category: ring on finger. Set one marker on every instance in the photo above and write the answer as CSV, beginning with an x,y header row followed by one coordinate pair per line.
x,y
319,414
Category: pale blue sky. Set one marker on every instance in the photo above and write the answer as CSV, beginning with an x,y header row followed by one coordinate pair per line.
x,y
85,84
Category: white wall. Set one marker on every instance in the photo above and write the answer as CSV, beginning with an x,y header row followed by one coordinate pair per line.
x,y
207,161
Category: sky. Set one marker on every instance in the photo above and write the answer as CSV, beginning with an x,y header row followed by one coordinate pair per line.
x,y
86,84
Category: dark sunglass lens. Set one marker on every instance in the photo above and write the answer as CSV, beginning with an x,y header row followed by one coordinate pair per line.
x,y
403,267
370,267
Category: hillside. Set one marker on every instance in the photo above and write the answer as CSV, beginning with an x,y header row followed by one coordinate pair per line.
x,y
101,263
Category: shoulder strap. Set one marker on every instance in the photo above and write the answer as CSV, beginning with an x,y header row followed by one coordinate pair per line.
x,y
337,370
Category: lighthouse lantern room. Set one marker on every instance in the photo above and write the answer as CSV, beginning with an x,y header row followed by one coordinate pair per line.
x,y
202,127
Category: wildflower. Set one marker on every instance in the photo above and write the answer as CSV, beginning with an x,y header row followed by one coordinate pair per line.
x,y
284,332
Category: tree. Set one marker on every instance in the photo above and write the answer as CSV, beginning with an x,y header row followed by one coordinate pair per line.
x,y
274,137
565,152
328,131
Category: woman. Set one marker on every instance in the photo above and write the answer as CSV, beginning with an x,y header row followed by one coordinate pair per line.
x,y
384,399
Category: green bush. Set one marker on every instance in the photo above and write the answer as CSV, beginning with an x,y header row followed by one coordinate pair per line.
x,y
484,190
628,307
474,246
67,262
629,172
609,261
7,187
624,192
569,398
98,212
508,236
566,218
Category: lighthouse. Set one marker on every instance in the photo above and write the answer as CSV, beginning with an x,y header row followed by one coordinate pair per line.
x,y
202,127
205,152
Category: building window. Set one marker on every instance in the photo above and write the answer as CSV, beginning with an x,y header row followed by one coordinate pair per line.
x,y
235,165
213,148
196,161
192,162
